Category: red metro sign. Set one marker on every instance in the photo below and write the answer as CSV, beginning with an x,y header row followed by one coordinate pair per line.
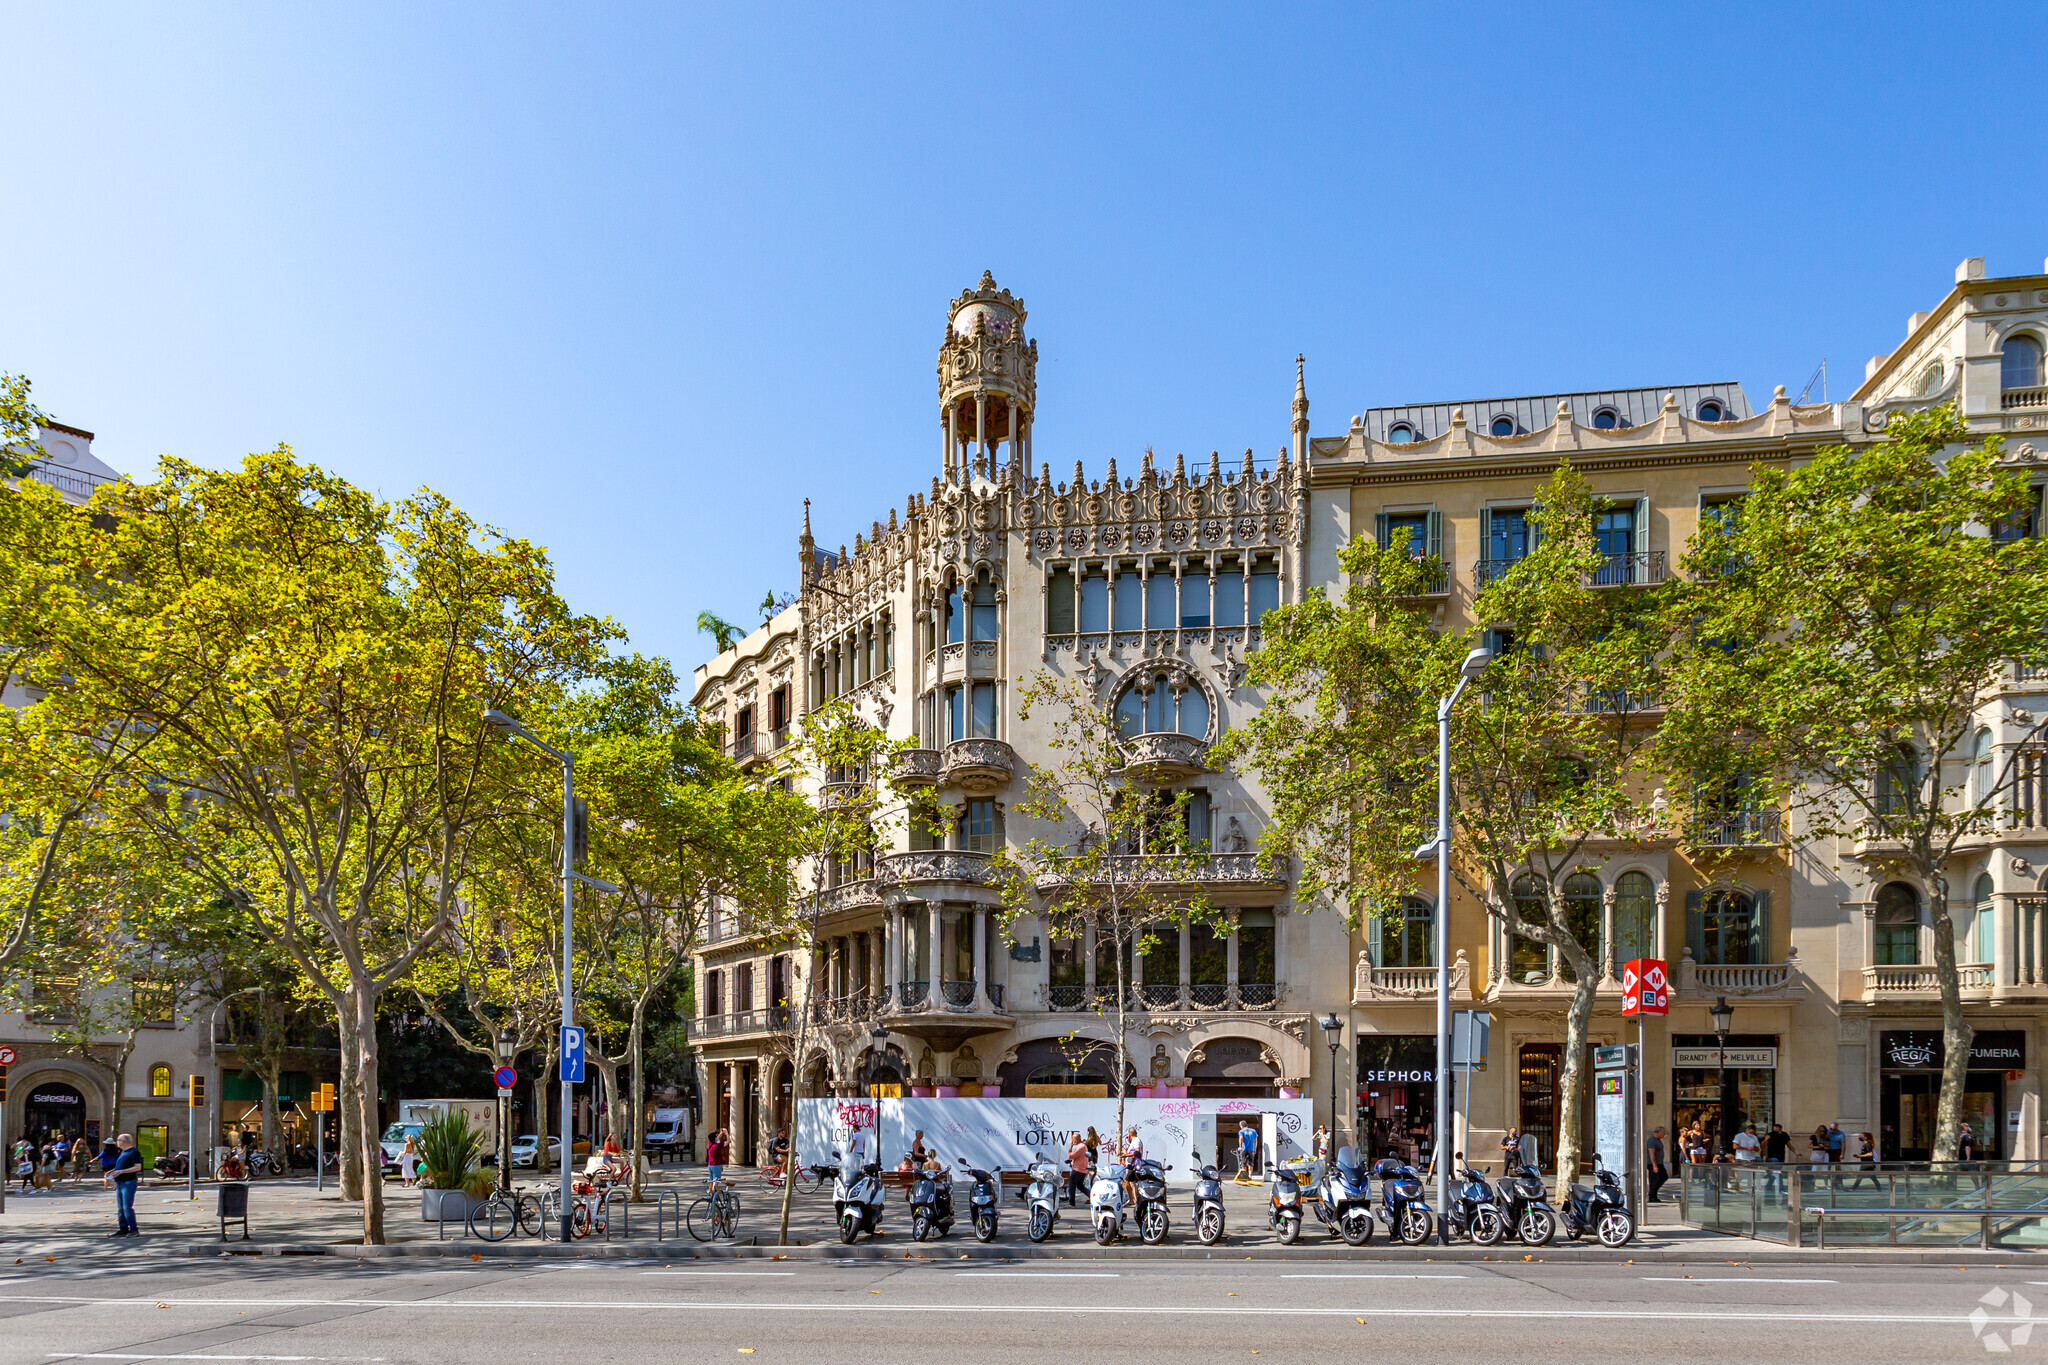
x,y
1645,987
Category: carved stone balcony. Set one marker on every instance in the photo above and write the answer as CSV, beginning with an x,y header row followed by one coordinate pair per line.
x,y
932,865
915,767
1165,757
1918,984
1370,984
741,1024
837,795
979,766
852,895
1213,870
1744,829
1745,981
946,1016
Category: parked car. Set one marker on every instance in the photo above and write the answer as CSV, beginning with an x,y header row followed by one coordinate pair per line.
x,y
526,1147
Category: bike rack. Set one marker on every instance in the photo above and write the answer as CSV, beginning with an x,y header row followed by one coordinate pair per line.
x,y
661,1205
623,1198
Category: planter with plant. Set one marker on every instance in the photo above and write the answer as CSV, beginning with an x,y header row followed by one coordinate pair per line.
x,y
451,1180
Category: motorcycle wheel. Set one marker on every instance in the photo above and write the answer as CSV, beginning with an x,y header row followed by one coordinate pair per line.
x,y
1414,1227
849,1227
1615,1229
1356,1227
920,1226
985,1226
1041,1224
1290,1228
1105,1233
1536,1227
1209,1226
1152,1227
1488,1227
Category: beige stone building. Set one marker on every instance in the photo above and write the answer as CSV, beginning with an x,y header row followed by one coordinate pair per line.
x,y
1148,585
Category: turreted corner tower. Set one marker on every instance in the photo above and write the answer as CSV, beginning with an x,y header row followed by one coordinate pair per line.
x,y
988,385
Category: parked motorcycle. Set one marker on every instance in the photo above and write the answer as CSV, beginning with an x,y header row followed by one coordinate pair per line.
x,y
1597,1208
982,1197
931,1204
1474,1211
1344,1198
1526,1206
1208,1204
1042,1197
1148,1182
1283,1204
1106,1202
173,1163
1402,1209
857,1200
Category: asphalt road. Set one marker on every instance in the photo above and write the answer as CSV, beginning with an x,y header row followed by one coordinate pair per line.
x,y
868,1313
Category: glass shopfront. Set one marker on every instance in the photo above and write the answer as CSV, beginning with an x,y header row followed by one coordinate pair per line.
x,y
1909,1072
1396,1095
1720,1091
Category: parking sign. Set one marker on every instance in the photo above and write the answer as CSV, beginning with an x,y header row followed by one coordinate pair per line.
x,y
572,1055
1645,987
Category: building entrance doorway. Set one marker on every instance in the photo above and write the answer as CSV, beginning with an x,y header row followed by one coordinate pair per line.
x,y
52,1107
1540,1064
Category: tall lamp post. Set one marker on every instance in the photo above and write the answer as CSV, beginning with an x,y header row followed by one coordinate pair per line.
x,y
512,729
1723,1014
508,1043
878,1038
1329,1024
1440,849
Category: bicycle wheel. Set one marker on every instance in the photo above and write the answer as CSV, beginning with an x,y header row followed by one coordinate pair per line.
x,y
699,1219
529,1215
809,1180
725,1222
580,1223
493,1220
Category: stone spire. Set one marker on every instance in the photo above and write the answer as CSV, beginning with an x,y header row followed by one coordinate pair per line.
x,y
1300,424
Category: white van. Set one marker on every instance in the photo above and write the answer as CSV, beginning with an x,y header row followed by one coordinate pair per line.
x,y
668,1134
413,1115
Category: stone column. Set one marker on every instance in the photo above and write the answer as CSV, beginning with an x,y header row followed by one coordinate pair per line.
x,y
981,423
981,1000
1088,963
1608,969
1230,962
1187,967
936,970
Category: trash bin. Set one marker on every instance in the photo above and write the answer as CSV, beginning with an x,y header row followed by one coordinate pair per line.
x,y
233,1208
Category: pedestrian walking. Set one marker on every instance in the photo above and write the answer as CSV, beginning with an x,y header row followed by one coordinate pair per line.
x,y
408,1162
1654,1169
25,1165
1747,1145
126,1175
715,1149
1838,1141
1077,1168
1094,1149
81,1159
1776,1146
1866,1160
1247,1154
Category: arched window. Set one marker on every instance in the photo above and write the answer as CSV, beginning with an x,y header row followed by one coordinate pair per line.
x,y
1503,425
1711,411
1897,942
1986,943
1582,912
1400,434
1898,781
1932,378
1607,419
1727,927
1160,703
2020,363
1408,936
160,1082
1528,960
1635,917
956,615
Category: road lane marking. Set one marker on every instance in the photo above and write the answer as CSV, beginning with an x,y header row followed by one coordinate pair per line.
x,y
718,1272
1373,1275
1092,1309
158,1355
1044,1274
1727,1279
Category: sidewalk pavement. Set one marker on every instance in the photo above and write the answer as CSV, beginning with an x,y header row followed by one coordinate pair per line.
x,y
287,1217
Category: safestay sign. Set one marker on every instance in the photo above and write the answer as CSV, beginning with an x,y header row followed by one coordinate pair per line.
x,y
1645,987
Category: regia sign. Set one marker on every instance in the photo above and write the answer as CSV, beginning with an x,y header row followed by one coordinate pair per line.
x,y
1921,1050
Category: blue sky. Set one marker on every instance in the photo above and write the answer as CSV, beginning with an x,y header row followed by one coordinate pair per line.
x,y
634,281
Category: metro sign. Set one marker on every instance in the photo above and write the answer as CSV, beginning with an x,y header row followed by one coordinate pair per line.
x,y
1645,987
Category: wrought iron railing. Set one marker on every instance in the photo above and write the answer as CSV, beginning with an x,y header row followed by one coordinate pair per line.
x,y
1160,997
910,994
1257,995
1742,829
1065,997
1620,570
1209,995
958,995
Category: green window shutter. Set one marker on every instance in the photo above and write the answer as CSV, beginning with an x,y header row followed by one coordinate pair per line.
x,y
1641,540
1436,534
1485,533
1379,528
1760,929
1535,524
1696,924
1372,940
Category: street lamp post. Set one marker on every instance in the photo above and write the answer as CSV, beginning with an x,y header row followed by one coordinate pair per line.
x,y
512,729
1440,849
1723,1014
1329,1024
878,1038
508,1046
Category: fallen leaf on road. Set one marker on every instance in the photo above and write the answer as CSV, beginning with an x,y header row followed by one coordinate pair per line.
x,y
1360,1321
746,1350
474,1257
163,1305
1230,1296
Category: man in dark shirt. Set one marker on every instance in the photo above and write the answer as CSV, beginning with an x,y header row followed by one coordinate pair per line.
x,y
126,1175
1775,1147
1653,1163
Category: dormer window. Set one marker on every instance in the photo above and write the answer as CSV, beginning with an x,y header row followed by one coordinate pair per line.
x,y
1711,411
1503,426
1400,434
1606,419
2020,363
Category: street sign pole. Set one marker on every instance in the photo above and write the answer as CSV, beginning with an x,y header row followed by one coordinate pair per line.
x,y
6,1060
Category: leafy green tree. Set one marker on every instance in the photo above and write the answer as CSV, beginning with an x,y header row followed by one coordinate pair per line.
x,y
305,669
1111,862
1545,760
1837,640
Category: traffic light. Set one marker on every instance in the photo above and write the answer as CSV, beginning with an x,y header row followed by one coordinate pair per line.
x,y
579,831
3,1085
198,1096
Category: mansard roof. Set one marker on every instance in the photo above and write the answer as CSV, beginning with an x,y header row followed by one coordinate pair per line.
x,y
1533,412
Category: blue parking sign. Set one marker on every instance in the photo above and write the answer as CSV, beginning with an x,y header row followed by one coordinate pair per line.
x,y
572,1055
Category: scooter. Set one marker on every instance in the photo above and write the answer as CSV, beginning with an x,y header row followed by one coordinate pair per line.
x,y
1344,1198
1106,1202
1208,1204
1283,1205
857,1200
931,1204
1474,1212
173,1163
981,1201
1597,1208
1401,1208
1526,1206
1148,1180
1042,1196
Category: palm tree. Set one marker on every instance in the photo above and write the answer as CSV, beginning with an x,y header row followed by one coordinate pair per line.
x,y
718,628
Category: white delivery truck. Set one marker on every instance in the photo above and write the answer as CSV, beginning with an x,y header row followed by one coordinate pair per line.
x,y
668,1134
414,1115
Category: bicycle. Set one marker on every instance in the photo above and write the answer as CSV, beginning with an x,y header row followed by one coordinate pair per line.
x,y
506,1212
716,1213
811,1179
585,1217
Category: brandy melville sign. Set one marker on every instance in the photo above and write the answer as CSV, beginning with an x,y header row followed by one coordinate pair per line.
x,y
1921,1050
1738,1058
